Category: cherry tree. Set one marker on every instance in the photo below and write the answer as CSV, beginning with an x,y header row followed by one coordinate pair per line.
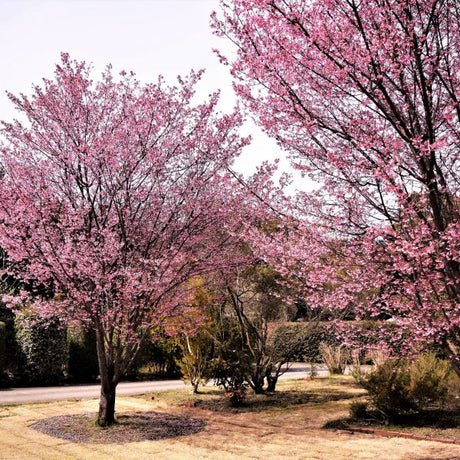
x,y
364,96
113,195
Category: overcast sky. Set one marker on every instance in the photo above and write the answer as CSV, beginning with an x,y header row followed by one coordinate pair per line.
x,y
149,37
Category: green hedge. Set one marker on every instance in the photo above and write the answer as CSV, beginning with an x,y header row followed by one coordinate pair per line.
x,y
44,350
356,334
305,338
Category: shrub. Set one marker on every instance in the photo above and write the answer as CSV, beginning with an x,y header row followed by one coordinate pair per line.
x,y
232,377
429,380
43,345
335,357
231,364
400,386
11,353
388,387
358,410
237,397
83,364
196,357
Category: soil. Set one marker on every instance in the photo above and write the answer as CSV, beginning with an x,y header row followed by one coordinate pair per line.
x,y
146,426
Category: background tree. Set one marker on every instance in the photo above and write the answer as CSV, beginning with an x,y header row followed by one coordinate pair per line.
x,y
256,301
110,193
364,98
192,335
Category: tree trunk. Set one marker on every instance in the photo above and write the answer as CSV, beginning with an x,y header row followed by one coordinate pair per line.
x,y
256,381
258,386
453,356
106,415
272,380
109,380
194,384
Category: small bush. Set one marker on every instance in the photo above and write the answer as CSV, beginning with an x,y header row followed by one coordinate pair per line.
x,y
237,397
429,380
335,357
388,387
400,386
230,371
11,352
358,410
195,364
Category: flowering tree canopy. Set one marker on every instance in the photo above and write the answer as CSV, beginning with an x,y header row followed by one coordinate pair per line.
x,y
365,98
115,194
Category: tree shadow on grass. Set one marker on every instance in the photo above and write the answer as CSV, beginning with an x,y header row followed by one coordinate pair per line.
x,y
435,419
146,426
279,399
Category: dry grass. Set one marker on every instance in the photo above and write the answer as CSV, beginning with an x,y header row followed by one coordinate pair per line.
x,y
287,426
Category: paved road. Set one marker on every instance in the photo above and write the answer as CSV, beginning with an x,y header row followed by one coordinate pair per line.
x,y
47,394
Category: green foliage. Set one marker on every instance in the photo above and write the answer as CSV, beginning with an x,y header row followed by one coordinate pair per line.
x,y
429,380
358,409
196,357
231,365
389,387
11,353
157,357
83,364
400,386
232,376
44,350
237,397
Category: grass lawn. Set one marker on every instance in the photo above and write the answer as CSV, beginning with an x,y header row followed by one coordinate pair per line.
x,y
175,425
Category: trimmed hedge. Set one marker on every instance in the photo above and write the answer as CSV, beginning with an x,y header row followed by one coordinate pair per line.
x,y
354,334
44,349
306,337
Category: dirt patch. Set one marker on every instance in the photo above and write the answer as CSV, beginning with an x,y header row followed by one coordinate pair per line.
x,y
147,426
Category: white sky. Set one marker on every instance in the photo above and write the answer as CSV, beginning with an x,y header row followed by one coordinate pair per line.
x,y
149,37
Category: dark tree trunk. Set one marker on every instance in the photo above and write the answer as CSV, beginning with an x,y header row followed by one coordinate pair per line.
x,y
455,363
451,352
257,380
272,380
109,381
106,415
258,386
